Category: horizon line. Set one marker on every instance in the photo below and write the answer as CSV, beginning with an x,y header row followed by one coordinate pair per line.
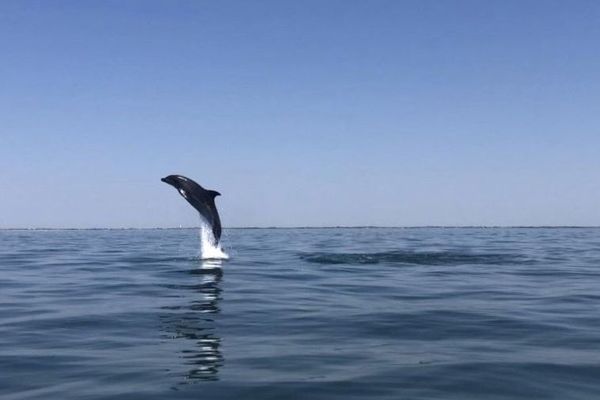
x,y
314,227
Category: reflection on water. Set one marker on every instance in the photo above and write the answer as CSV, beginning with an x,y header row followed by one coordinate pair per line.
x,y
194,322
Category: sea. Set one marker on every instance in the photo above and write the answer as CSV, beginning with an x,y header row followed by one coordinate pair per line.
x,y
328,313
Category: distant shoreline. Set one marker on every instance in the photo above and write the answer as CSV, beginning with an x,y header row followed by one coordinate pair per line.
x,y
321,227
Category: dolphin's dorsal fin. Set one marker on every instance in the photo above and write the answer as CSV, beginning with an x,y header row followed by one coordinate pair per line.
x,y
213,193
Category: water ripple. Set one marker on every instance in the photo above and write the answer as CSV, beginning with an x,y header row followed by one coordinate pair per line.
x,y
413,257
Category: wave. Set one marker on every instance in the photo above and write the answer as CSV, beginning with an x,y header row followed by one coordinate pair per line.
x,y
411,257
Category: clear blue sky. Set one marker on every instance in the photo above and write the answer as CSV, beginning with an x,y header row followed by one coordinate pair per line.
x,y
300,112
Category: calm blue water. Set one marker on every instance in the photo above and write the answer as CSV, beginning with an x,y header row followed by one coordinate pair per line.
x,y
302,314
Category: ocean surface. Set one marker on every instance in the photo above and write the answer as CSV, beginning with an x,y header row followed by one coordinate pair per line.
x,y
371,313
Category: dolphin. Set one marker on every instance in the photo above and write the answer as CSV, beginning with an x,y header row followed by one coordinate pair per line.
x,y
201,199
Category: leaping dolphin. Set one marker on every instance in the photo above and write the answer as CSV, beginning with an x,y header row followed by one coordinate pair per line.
x,y
201,199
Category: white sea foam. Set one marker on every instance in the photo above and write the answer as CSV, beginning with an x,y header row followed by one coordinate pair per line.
x,y
208,249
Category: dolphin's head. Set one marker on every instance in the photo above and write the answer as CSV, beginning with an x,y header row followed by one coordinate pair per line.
x,y
174,180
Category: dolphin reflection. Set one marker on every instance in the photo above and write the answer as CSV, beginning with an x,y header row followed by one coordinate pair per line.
x,y
193,324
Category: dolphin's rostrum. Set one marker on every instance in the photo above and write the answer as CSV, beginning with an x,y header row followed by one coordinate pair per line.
x,y
201,199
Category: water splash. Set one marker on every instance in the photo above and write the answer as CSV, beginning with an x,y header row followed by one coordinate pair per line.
x,y
209,249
